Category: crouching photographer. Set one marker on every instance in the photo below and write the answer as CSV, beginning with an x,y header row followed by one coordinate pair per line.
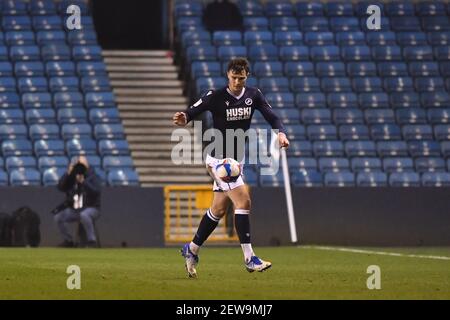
x,y
83,188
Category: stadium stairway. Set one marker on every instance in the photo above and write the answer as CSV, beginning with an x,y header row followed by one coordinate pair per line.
x,y
148,93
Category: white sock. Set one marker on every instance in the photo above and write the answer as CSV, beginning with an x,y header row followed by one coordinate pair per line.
x,y
194,248
248,251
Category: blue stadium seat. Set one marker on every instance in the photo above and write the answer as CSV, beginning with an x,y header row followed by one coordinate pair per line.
x,y
274,84
429,84
188,8
41,7
314,24
100,100
113,148
439,38
398,164
13,131
54,147
6,69
19,38
256,23
310,178
436,99
17,22
94,161
278,9
205,69
109,131
371,179
91,68
310,100
70,131
273,180
423,69
265,52
123,177
355,53
11,116
16,162
392,148
227,38
353,132
302,163
417,132
58,52
308,9
24,53
83,146
19,147
41,115
348,116
268,69
63,84
344,24
339,179
444,67
60,68
365,164
353,38
330,69
47,23
71,115
29,69
342,100
104,115
25,177
386,53
305,84
361,69
404,179
87,53
433,24
68,99
335,84
381,38
195,38
374,116
411,116
281,100
385,132
81,37
337,9
324,53
298,69
288,38
204,53
32,84
319,38
295,131
250,176
283,24
405,23
417,53
360,148
203,84
321,132
47,162
412,39
3,53
257,38
438,116
14,7
44,131
404,100
392,69
299,149
315,116
8,84
436,179
328,148
39,100
366,84
117,162
184,24
397,84
429,164
3,178
51,176
99,83
399,8
250,8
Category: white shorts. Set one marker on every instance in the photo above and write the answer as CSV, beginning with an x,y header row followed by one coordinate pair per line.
x,y
220,185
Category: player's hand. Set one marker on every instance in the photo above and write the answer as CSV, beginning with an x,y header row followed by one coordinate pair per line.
x,y
179,119
283,140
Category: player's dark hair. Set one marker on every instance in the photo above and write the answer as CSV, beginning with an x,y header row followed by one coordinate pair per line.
x,y
238,64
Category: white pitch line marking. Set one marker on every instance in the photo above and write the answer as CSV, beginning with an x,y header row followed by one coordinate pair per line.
x,y
394,254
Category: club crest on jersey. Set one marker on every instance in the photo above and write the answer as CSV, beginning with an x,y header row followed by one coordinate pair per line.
x,y
227,103
235,114
248,101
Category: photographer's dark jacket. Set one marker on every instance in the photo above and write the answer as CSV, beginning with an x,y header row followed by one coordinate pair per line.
x,y
90,188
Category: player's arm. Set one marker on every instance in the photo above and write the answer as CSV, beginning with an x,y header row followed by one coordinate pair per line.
x,y
202,105
271,117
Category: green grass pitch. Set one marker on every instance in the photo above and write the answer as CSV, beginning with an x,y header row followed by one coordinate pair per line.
x,y
297,273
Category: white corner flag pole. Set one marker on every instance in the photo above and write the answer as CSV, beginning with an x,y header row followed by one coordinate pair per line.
x,y
287,190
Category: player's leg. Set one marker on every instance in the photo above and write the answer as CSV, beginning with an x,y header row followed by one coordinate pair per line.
x,y
240,196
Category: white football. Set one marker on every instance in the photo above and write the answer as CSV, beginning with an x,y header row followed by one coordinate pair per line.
x,y
228,170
